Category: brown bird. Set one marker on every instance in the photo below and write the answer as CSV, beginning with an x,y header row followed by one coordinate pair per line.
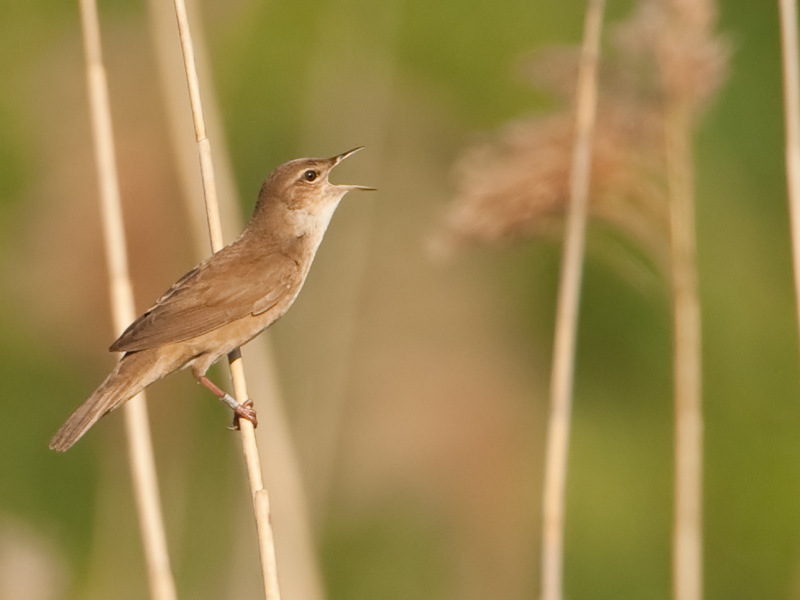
x,y
229,298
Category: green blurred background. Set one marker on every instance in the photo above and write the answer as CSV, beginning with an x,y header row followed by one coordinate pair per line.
x,y
416,391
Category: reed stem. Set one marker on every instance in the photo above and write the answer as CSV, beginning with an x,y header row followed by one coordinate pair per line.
x,y
252,459
791,99
140,449
567,312
687,565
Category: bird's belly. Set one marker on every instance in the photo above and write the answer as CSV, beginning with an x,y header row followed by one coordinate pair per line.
x,y
204,350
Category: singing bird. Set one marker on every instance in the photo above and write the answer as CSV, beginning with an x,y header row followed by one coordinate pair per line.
x,y
226,300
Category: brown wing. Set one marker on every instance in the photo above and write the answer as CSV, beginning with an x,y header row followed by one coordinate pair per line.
x,y
228,286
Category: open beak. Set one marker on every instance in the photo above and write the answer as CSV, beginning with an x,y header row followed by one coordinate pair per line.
x,y
337,159
362,188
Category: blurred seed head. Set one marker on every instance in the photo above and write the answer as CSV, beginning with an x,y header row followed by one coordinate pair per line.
x,y
515,182
675,39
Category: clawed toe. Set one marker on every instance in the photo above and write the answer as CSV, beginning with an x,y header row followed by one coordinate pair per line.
x,y
245,411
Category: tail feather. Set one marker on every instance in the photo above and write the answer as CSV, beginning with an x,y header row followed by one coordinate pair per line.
x,y
133,373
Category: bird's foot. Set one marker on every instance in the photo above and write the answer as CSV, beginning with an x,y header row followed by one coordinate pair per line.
x,y
244,411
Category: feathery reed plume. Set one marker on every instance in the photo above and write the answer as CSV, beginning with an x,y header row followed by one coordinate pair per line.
x,y
517,184
260,496
791,102
566,329
143,471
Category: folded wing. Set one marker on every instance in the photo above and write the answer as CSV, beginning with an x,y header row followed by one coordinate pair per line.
x,y
226,287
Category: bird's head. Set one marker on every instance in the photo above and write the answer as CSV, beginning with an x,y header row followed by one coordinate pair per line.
x,y
302,184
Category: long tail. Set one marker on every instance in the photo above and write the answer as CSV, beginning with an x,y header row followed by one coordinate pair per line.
x,y
134,372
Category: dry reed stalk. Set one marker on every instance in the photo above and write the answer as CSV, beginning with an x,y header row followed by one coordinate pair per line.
x,y
355,103
642,177
684,47
791,100
143,472
691,64
567,312
687,566
299,574
253,461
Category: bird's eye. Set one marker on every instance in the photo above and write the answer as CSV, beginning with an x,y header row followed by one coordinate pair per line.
x,y
310,175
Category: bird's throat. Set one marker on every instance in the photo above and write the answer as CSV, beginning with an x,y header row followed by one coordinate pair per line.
x,y
311,224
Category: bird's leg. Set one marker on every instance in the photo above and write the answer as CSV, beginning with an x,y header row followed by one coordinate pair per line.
x,y
244,410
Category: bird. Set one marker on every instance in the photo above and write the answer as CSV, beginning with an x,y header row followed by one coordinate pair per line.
x,y
227,300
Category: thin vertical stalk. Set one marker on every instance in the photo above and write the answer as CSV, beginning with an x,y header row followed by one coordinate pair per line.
x,y
349,99
249,445
684,41
567,312
687,551
791,101
143,471
299,573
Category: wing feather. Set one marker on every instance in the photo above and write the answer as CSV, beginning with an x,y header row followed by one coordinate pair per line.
x,y
226,287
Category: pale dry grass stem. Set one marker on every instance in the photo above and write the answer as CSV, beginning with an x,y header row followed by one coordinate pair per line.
x,y
691,64
791,101
143,472
350,87
253,461
567,310
299,572
668,65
